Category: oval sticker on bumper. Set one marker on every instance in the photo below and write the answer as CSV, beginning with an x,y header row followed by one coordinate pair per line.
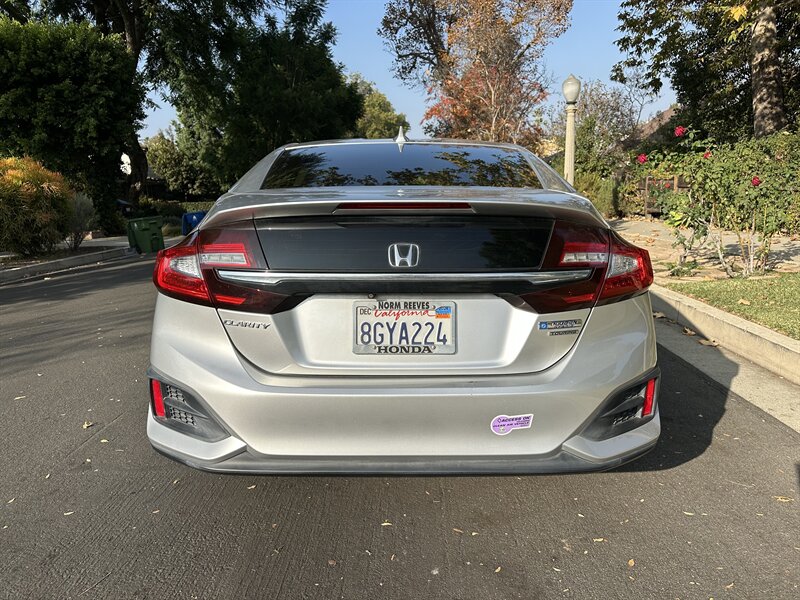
x,y
504,424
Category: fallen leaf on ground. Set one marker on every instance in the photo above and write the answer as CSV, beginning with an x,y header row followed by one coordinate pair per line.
x,y
658,315
598,539
783,498
331,563
386,524
457,530
744,302
688,514
556,569
498,569
66,514
87,424
20,397
10,501
714,343
687,331
156,511
250,487
631,562
104,441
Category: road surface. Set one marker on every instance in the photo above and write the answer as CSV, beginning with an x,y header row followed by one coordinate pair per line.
x,y
94,512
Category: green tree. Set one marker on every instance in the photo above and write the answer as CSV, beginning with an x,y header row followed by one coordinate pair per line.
x,y
379,119
176,45
282,86
69,98
173,157
735,67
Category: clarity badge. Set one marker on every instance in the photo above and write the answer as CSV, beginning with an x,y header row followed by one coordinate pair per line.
x,y
504,424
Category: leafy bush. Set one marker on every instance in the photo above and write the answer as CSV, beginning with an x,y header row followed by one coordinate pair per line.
x,y
82,220
35,207
600,190
750,188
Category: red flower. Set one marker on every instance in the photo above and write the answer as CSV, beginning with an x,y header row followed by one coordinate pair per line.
x,y
707,154
641,159
756,181
667,185
680,131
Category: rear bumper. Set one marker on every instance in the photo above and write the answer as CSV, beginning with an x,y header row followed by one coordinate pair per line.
x,y
411,425
232,456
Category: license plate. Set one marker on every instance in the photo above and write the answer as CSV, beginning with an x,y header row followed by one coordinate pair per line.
x,y
407,327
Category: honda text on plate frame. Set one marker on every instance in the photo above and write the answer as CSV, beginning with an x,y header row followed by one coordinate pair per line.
x,y
398,306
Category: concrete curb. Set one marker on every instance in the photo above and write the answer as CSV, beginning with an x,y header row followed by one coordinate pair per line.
x,y
773,351
51,266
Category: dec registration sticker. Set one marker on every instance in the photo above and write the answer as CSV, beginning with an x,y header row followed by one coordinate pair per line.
x,y
394,327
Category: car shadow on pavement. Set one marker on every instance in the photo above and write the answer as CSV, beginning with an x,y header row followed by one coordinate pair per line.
x,y
690,408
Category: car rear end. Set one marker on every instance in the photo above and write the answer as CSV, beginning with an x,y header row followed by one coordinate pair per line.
x,y
383,326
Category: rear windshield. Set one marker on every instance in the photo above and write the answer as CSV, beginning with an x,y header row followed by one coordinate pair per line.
x,y
391,164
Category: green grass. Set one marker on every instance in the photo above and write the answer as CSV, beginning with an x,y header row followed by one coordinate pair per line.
x,y
773,302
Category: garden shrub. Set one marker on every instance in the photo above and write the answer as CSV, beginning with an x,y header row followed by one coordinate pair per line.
x,y
82,220
600,190
750,187
35,207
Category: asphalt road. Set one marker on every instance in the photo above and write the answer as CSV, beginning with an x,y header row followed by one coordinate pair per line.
x,y
96,513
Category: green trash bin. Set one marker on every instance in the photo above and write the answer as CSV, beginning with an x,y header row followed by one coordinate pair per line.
x,y
145,234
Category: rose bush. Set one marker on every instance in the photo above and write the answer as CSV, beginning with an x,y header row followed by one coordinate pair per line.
x,y
751,187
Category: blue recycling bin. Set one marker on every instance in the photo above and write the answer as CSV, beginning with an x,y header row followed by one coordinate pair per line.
x,y
190,220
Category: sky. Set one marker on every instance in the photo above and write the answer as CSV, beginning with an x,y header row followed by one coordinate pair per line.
x,y
586,50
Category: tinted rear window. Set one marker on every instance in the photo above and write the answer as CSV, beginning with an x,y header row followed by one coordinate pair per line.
x,y
385,164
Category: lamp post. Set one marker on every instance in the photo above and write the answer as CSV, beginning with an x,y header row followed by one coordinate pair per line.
x,y
571,88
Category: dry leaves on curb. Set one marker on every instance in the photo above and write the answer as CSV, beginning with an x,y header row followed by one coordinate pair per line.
x,y
713,343
659,315
687,331
87,424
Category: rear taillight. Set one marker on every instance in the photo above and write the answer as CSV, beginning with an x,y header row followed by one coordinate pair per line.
x,y
629,272
177,273
190,270
615,269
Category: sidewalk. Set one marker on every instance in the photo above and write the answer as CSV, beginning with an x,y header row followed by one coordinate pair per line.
x,y
657,238
101,250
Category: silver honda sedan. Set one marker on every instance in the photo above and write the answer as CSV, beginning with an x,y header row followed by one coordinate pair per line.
x,y
396,306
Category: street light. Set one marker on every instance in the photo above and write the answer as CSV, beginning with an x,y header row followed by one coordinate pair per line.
x,y
571,88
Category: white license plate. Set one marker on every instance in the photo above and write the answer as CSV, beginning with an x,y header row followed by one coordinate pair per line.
x,y
407,327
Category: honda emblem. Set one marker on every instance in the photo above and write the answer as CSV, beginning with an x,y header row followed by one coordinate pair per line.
x,y
403,255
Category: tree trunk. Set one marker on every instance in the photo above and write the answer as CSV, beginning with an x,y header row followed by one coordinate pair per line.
x,y
138,175
769,112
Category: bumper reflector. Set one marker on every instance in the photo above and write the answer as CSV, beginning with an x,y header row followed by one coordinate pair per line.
x,y
157,398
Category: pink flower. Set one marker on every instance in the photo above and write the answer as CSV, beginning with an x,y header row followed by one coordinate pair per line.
x,y
680,131
756,181
641,159
707,154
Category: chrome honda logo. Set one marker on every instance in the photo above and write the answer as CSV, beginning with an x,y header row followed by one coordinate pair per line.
x,y
403,255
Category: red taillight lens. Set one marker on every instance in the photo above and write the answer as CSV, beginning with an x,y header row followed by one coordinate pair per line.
x,y
157,398
416,206
617,269
190,270
649,398
629,272
572,246
177,273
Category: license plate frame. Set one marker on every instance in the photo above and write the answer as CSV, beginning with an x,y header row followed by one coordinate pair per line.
x,y
404,313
